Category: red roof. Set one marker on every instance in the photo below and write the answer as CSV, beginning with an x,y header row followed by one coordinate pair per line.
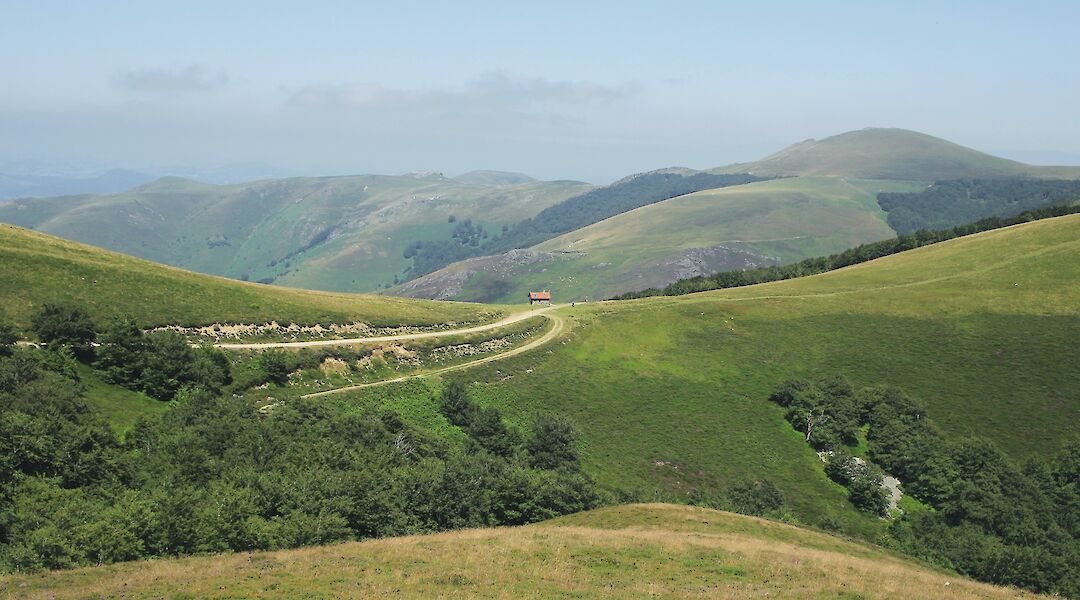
x,y
539,295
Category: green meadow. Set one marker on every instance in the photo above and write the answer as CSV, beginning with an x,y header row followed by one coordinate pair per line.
x,y
670,394
36,268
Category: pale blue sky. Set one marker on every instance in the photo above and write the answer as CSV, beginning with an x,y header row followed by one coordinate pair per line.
x,y
558,90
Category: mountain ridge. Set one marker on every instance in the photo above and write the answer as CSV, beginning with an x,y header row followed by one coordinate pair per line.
x,y
891,153
682,237
342,233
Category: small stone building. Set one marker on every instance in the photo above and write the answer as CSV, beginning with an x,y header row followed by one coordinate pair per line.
x,y
539,297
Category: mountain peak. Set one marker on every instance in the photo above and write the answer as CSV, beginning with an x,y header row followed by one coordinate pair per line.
x,y
883,153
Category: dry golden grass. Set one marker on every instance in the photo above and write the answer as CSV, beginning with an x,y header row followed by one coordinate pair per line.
x,y
639,551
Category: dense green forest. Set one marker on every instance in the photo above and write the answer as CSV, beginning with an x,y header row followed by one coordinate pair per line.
x,y
950,203
574,213
856,255
213,473
978,512
217,472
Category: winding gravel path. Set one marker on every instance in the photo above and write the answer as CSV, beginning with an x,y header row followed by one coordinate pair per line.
x,y
514,318
557,328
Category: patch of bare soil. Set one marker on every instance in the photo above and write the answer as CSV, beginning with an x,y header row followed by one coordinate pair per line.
x,y
334,366
706,261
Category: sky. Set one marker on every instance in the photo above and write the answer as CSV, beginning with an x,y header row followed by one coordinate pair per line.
x,y
559,90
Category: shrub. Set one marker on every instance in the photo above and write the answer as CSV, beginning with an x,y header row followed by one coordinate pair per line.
x,y
7,338
756,497
842,467
122,355
867,492
275,364
64,326
456,405
553,443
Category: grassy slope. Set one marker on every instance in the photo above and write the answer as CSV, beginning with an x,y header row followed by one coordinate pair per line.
x,y
121,407
670,394
788,219
373,255
793,218
637,551
891,154
242,229
817,213
36,268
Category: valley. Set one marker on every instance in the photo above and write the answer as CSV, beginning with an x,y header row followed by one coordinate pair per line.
x,y
330,233
452,415
539,300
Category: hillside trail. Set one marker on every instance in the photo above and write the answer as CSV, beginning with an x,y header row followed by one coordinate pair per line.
x,y
556,329
514,318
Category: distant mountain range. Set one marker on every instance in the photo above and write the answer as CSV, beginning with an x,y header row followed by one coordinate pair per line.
x,y
491,235
336,233
826,201
15,185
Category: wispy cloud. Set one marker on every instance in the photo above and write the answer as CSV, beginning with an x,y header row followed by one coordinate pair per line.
x,y
496,91
193,78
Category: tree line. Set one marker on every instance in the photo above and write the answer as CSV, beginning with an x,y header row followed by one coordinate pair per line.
x,y
955,202
859,254
978,512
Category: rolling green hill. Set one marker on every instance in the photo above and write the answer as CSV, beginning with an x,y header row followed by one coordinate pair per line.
x,y
890,154
736,227
36,268
671,393
637,551
827,203
330,233
670,399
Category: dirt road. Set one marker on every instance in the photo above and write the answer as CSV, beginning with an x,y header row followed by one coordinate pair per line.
x,y
556,329
514,318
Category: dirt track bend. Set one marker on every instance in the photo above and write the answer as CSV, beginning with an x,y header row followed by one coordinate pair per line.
x,y
557,326
514,318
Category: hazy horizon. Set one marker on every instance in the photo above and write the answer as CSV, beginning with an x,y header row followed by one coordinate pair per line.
x,y
557,92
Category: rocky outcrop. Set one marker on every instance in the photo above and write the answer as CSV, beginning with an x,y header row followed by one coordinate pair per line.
x,y
714,259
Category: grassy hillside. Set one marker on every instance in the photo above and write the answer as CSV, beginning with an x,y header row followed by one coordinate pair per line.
x,y
670,398
36,268
891,154
637,551
737,227
671,393
332,233
827,204
574,213
121,407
